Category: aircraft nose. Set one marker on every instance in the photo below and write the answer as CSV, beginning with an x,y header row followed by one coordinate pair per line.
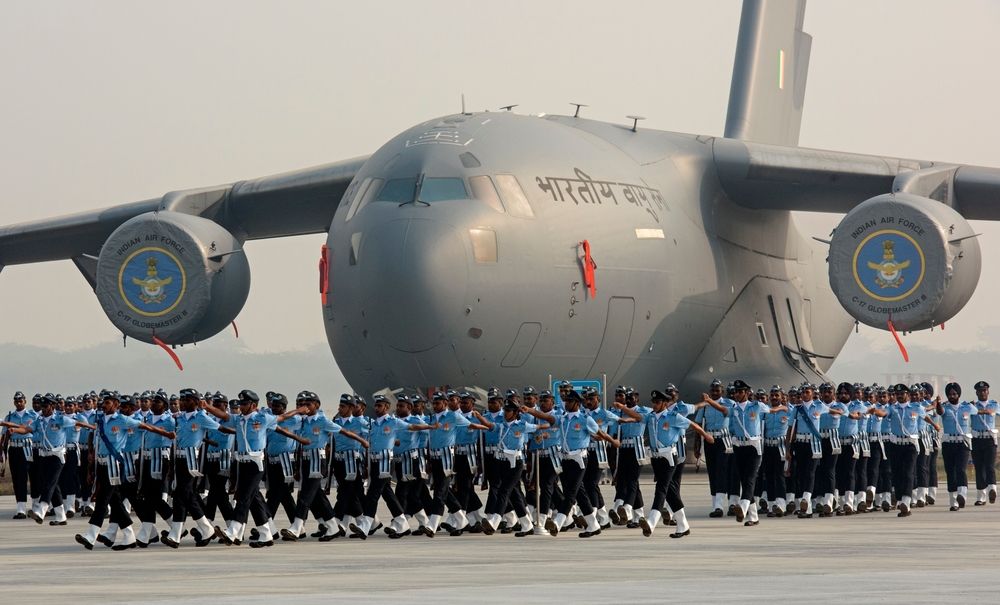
x,y
414,280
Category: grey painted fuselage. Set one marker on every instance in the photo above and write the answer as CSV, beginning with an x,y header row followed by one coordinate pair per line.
x,y
683,276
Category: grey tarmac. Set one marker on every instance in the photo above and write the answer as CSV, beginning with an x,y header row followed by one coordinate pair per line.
x,y
932,556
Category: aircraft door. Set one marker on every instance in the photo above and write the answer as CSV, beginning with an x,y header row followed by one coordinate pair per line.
x,y
617,333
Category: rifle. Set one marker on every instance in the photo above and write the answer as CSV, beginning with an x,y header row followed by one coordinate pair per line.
x,y
329,465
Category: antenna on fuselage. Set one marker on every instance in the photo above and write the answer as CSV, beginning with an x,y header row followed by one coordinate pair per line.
x,y
576,114
635,121
463,103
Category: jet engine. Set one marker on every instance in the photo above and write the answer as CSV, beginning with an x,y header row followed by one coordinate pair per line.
x,y
903,259
173,277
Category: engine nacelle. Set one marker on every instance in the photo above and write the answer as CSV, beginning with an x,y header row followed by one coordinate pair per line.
x,y
904,258
177,277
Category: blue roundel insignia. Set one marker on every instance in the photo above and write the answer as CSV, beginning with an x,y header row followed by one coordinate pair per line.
x,y
152,281
888,265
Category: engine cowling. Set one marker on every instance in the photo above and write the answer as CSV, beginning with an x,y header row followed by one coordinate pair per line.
x,y
906,259
177,277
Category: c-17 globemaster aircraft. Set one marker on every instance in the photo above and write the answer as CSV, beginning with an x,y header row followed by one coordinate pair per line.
x,y
496,248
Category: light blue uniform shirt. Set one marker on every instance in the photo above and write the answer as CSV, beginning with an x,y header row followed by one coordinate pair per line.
x,y
115,428
449,422
317,429
277,443
849,426
905,419
467,436
513,435
164,421
422,437
84,435
357,425
665,429
385,431
631,430
957,418
50,433
985,422
829,421
606,420
492,436
193,427
251,430
875,425
577,429
682,408
776,424
408,440
24,417
714,420
134,442
550,437
811,414
746,420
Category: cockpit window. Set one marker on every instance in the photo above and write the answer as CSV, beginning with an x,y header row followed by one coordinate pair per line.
x,y
365,197
442,189
398,190
484,191
513,196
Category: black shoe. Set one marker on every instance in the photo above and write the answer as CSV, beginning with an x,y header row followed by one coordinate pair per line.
x,y
488,529
732,511
613,515
508,530
199,540
587,534
681,534
802,515
980,503
581,523
448,527
427,531
396,535
530,532
474,528
885,507
953,508
35,517
261,544
961,501
931,501
328,537
921,504
165,538
83,541
375,528
790,508
154,539
50,513
20,516
993,496
770,514
57,523
608,526
739,514
751,523
105,541
550,526
70,514
904,510
123,546
647,530
357,532
254,535
141,544
289,536
319,533
632,525
715,514
88,510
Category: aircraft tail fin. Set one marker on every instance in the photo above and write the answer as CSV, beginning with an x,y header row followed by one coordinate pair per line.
x,y
769,73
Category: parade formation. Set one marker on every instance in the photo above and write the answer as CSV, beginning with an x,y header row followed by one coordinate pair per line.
x,y
538,459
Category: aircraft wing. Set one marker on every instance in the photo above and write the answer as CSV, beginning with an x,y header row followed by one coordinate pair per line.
x,y
773,177
291,203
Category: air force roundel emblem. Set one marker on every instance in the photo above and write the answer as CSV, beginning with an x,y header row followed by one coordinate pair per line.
x,y
152,281
888,265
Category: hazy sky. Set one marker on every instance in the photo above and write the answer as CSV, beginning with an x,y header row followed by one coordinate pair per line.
x,y
114,101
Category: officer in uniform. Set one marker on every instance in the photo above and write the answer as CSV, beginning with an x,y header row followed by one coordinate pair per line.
x,y
807,447
776,428
905,418
155,464
597,453
382,438
984,444
466,467
110,435
631,457
513,433
577,430
956,443
717,453
546,447
193,425
19,452
666,428
48,431
219,462
86,490
490,442
408,470
850,444
69,478
879,467
280,470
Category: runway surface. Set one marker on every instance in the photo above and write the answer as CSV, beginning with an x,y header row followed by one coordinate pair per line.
x,y
933,556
